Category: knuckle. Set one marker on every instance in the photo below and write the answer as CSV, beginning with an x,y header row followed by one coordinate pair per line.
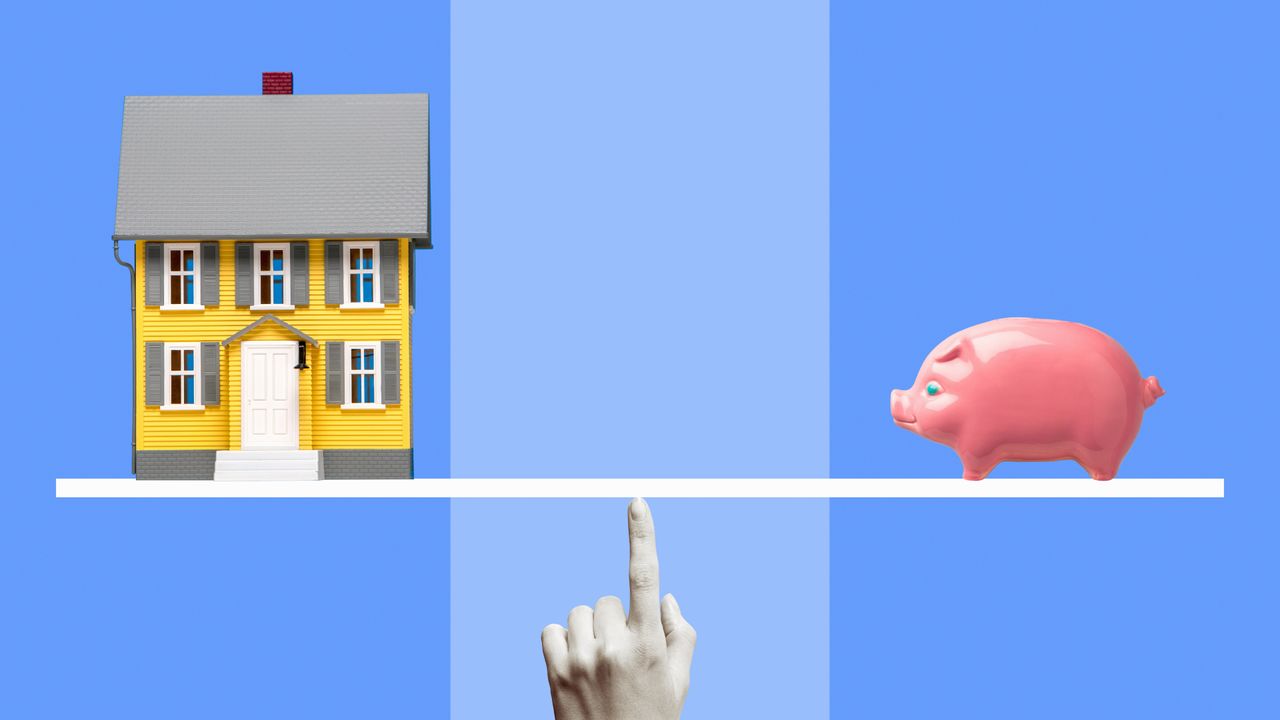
x,y
644,576
559,675
581,664
614,656
647,652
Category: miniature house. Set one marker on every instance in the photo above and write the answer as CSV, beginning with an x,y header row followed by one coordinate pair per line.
x,y
274,241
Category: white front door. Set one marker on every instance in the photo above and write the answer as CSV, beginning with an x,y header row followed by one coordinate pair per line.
x,y
269,388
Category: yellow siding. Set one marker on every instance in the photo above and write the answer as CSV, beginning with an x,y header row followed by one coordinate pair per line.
x,y
320,426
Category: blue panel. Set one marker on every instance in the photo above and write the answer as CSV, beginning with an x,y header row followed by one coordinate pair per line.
x,y
1111,163
189,390
203,609
369,396
188,360
366,288
277,290
284,654
640,283
750,575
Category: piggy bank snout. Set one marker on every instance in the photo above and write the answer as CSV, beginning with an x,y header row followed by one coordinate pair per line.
x,y
900,407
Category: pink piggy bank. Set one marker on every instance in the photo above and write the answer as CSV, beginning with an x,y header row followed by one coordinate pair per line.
x,y
1028,389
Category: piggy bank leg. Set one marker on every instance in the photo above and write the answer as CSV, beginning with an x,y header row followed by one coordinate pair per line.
x,y
1099,467
977,467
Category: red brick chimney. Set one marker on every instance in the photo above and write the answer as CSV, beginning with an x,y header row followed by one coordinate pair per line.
x,y
277,83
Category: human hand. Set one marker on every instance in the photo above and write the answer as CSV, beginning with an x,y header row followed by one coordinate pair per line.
x,y
610,666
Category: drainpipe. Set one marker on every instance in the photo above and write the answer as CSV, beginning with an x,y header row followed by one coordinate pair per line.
x,y
133,349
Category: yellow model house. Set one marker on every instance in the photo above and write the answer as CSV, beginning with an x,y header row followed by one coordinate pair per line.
x,y
274,242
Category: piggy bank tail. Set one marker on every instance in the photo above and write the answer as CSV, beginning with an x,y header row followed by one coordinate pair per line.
x,y
1150,391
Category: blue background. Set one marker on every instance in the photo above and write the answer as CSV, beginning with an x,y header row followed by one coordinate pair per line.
x,y
750,575
1113,163
196,609
1110,163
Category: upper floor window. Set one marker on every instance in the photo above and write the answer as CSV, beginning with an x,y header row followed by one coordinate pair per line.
x,y
272,273
182,275
363,286
182,368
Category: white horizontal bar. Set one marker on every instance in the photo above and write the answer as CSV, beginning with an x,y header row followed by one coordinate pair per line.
x,y
653,488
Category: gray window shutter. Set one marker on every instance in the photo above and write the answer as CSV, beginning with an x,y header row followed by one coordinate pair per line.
x,y
333,272
153,293
299,274
209,274
390,372
244,274
154,358
389,260
210,361
334,364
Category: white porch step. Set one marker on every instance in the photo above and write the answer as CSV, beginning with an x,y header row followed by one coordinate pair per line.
x,y
258,476
268,454
267,465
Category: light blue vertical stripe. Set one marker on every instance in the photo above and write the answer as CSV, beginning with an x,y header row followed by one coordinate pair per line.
x,y
640,215
750,576
639,288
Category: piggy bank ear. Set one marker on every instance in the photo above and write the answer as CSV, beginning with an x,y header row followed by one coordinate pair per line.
x,y
957,350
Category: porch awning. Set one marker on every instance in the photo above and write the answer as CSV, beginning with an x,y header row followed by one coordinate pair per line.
x,y
249,328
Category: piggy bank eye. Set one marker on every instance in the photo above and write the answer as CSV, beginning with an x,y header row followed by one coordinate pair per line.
x,y
933,388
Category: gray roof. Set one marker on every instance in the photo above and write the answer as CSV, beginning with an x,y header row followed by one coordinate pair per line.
x,y
269,166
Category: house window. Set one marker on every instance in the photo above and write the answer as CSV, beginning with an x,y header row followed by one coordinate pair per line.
x,y
182,370
182,274
272,273
362,286
362,374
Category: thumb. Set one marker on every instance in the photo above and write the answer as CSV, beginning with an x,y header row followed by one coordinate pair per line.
x,y
681,639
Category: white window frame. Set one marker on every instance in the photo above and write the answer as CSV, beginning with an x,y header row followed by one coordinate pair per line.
x,y
258,273
348,371
169,373
347,272
169,274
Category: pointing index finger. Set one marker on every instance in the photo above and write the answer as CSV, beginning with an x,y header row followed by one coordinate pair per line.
x,y
644,567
